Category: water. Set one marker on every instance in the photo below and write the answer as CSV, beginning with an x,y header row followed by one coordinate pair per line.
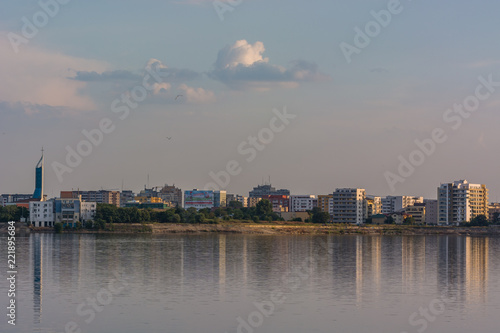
x,y
250,283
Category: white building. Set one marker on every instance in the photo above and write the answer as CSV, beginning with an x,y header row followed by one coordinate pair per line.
x,y
302,203
42,213
87,211
461,201
349,205
393,204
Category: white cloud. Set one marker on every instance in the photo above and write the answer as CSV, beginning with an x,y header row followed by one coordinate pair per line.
x,y
242,65
39,77
197,95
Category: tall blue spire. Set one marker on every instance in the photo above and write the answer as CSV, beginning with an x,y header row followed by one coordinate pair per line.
x,y
38,194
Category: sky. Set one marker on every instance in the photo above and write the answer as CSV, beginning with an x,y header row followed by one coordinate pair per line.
x,y
391,96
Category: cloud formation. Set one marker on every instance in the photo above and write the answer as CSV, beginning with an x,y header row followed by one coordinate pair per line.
x,y
242,65
36,76
167,74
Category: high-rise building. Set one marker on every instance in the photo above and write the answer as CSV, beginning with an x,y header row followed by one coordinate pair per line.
x,y
349,205
302,203
220,199
393,204
373,206
38,194
461,201
431,211
325,203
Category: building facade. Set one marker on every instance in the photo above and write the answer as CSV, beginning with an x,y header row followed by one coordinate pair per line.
x,y
281,203
325,203
461,201
431,211
220,199
199,199
373,206
349,205
171,194
42,213
302,203
418,212
392,204
493,211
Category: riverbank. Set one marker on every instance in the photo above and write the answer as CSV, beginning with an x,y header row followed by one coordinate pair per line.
x,y
280,228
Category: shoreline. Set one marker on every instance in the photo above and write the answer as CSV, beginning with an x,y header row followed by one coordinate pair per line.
x,y
275,229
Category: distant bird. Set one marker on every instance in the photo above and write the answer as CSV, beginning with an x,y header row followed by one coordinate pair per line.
x,y
178,96
169,137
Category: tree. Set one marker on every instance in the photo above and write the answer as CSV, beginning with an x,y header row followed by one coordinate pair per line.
x,y
409,220
235,204
264,208
58,227
321,217
479,221
176,218
199,218
255,219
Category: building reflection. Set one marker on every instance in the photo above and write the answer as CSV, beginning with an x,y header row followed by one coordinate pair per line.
x,y
37,253
412,262
476,268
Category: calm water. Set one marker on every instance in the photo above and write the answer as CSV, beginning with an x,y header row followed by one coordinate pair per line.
x,y
246,283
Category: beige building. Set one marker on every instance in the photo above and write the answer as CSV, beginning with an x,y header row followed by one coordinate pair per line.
x,y
417,212
461,201
325,203
492,209
373,206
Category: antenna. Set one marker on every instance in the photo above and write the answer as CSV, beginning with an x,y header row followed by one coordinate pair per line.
x,y
148,181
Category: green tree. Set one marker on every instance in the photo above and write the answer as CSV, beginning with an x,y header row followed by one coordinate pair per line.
x,y
176,218
235,204
264,208
58,227
479,221
321,217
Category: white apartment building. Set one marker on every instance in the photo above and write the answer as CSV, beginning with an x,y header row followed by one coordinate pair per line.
x,y
87,210
349,205
393,204
42,213
461,201
302,203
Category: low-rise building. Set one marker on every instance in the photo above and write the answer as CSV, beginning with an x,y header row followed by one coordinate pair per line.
x,y
417,212
42,213
281,203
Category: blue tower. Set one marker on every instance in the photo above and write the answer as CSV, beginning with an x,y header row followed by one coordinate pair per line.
x,y
38,194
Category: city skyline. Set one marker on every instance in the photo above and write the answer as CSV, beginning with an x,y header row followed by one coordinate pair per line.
x,y
360,99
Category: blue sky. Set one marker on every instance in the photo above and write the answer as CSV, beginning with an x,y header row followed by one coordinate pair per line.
x,y
353,120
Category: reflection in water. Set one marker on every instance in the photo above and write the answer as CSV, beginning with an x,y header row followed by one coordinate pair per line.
x,y
176,274
413,262
476,268
37,251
